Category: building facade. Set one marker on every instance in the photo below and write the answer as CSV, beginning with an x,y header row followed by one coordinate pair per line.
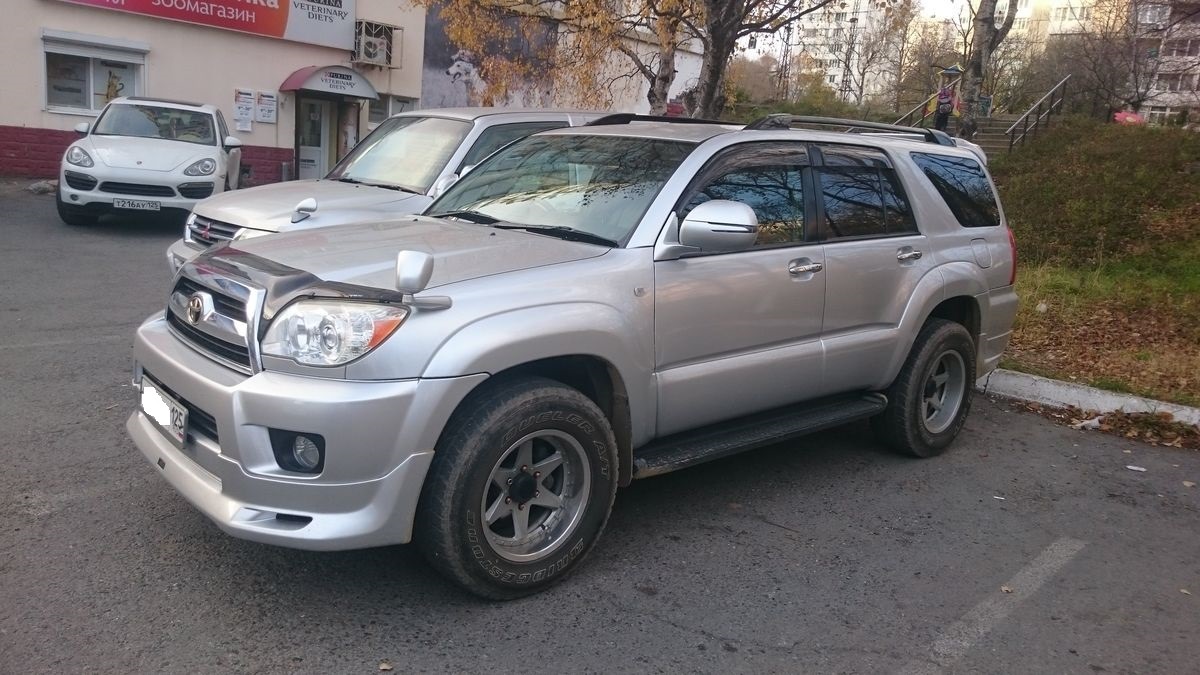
x,y
300,81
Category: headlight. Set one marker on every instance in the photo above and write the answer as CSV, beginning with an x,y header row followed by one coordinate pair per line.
x,y
247,233
330,332
201,167
77,156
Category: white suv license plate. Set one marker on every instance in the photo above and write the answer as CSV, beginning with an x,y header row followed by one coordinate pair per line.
x,y
137,204
168,414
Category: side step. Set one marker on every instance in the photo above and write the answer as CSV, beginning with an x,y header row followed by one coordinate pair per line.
x,y
690,448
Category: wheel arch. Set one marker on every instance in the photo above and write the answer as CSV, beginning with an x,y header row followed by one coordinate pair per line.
x,y
596,378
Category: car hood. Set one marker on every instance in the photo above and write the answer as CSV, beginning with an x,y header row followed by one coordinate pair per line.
x,y
149,154
364,254
270,207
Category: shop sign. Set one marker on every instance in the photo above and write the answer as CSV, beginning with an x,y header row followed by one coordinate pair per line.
x,y
320,22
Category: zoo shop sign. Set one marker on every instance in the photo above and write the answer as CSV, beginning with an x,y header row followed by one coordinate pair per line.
x,y
329,23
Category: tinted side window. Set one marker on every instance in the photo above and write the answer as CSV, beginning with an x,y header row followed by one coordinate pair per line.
x,y
853,202
496,137
898,216
768,181
964,186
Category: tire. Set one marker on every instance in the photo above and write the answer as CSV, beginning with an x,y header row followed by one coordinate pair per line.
x,y
929,401
489,453
71,216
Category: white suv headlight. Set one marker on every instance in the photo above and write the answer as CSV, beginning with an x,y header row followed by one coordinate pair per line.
x,y
78,156
330,332
201,167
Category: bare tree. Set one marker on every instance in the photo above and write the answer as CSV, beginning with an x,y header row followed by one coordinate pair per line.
x,y
986,37
723,23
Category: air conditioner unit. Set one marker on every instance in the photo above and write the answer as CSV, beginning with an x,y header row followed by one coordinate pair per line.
x,y
373,44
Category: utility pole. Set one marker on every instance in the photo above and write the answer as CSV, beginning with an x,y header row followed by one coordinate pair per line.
x,y
847,84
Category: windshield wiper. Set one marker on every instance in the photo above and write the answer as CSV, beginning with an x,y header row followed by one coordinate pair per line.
x,y
468,215
386,186
562,232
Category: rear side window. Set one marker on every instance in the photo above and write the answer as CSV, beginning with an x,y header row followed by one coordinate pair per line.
x,y
964,186
495,137
861,194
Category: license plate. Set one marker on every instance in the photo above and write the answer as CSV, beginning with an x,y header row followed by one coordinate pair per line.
x,y
137,204
168,414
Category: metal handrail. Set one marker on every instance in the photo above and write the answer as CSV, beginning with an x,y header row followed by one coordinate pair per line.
x,y
922,105
1039,115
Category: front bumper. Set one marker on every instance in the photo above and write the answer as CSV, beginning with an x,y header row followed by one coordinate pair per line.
x,y
181,252
379,439
98,201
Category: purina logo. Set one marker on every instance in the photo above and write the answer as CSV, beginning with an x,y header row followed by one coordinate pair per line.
x,y
327,3
340,76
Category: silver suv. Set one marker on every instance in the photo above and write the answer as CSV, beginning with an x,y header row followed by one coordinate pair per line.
x,y
588,307
396,170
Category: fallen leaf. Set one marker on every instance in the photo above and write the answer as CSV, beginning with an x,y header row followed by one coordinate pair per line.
x,y
1131,467
1006,589
1185,591
1189,483
384,665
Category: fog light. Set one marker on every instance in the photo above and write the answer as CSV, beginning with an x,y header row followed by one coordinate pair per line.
x,y
306,453
74,198
298,451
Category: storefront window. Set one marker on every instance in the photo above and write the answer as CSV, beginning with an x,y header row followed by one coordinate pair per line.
x,y
83,82
386,106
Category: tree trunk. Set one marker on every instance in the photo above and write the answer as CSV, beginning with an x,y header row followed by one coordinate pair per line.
x,y
710,92
659,93
984,41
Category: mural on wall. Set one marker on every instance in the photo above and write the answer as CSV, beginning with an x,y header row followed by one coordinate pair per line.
x,y
452,76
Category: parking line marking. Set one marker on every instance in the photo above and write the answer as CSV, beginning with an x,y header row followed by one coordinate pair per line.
x,y
957,639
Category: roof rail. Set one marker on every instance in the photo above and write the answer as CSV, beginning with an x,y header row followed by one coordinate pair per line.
x,y
626,118
785,121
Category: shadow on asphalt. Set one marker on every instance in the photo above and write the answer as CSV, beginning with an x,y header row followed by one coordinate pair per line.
x,y
375,582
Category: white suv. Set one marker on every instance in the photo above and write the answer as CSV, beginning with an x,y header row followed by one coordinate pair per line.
x,y
146,155
397,169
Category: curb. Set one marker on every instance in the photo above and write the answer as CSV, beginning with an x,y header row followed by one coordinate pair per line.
x,y
1036,389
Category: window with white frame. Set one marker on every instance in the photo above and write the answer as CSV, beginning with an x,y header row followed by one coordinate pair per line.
x,y
1153,13
84,72
386,106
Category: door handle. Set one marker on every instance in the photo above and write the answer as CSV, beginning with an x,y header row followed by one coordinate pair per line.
x,y
910,254
797,267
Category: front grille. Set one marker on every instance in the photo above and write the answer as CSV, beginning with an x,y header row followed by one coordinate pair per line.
x,y
229,351
138,189
80,181
196,190
225,304
200,423
208,231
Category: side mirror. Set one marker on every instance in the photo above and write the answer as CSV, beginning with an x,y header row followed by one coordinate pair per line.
x,y
304,209
719,226
442,184
413,270
230,143
82,128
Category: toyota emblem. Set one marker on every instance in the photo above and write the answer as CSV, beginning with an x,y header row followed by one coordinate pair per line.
x,y
195,309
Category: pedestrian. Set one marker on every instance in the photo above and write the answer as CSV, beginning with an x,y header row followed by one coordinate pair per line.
x,y
945,106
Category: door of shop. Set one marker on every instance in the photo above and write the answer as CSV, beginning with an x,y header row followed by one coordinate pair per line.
x,y
316,117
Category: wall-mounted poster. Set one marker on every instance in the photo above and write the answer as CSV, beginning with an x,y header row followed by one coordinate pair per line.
x,y
265,107
243,105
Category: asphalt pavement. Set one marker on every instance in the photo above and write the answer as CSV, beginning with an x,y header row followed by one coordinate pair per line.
x,y
1028,548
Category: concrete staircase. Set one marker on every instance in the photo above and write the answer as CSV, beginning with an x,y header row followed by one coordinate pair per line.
x,y
990,135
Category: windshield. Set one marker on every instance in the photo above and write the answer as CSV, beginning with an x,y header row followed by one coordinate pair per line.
x,y
600,185
147,121
409,152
